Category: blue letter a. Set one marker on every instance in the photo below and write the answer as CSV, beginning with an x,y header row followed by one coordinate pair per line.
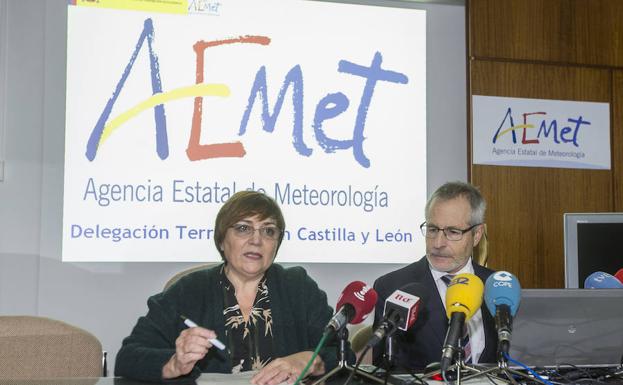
x,y
162,143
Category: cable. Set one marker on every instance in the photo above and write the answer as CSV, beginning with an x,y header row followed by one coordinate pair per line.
x,y
386,377
418,380
590,381
352,373
535,374
574,375
325,335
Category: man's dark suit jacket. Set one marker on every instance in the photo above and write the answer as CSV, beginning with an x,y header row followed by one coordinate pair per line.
x,y
423,342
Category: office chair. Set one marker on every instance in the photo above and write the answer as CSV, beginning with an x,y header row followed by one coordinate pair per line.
x,y
34,347
182,273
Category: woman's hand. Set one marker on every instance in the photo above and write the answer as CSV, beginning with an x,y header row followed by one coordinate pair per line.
x,y
190,346
288,369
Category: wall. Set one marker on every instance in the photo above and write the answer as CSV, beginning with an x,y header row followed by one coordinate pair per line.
x,y
545,49
107,298
3,49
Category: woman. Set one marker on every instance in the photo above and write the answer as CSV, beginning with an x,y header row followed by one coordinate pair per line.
x,y
270,318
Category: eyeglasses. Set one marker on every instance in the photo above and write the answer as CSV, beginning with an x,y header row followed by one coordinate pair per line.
x,y
243,230
451,233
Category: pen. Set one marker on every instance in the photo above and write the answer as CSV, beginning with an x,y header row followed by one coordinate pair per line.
x,y
213,341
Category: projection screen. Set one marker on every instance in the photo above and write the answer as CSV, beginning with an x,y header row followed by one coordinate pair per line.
x,y
173,106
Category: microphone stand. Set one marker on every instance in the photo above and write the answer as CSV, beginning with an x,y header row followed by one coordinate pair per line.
x,y
503,373
500,372
389,353
388,357
343,365
459,367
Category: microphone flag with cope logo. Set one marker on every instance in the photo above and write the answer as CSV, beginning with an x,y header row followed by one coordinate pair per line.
x,y
502,297
502,288
601,280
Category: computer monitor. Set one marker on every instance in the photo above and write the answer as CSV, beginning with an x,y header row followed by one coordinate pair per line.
x,y
593,242
568,327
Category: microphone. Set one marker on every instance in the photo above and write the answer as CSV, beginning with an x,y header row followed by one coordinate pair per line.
x,y
502,297
601,280
619,275
355,303
400,311
463,299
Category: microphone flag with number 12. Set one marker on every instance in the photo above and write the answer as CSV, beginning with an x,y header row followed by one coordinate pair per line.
x,y
463,299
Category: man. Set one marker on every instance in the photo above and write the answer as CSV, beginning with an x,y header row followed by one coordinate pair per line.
x,y
454,225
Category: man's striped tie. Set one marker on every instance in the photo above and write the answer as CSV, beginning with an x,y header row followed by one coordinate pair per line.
x,y
467,348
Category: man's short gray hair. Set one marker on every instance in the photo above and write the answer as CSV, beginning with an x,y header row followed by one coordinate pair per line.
x,y
451,190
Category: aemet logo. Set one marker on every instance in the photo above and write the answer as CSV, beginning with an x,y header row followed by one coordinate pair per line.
x,y
204,7
328,107
535,127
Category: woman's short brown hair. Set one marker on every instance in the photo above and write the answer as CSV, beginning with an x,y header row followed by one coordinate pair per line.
x,y
244,204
